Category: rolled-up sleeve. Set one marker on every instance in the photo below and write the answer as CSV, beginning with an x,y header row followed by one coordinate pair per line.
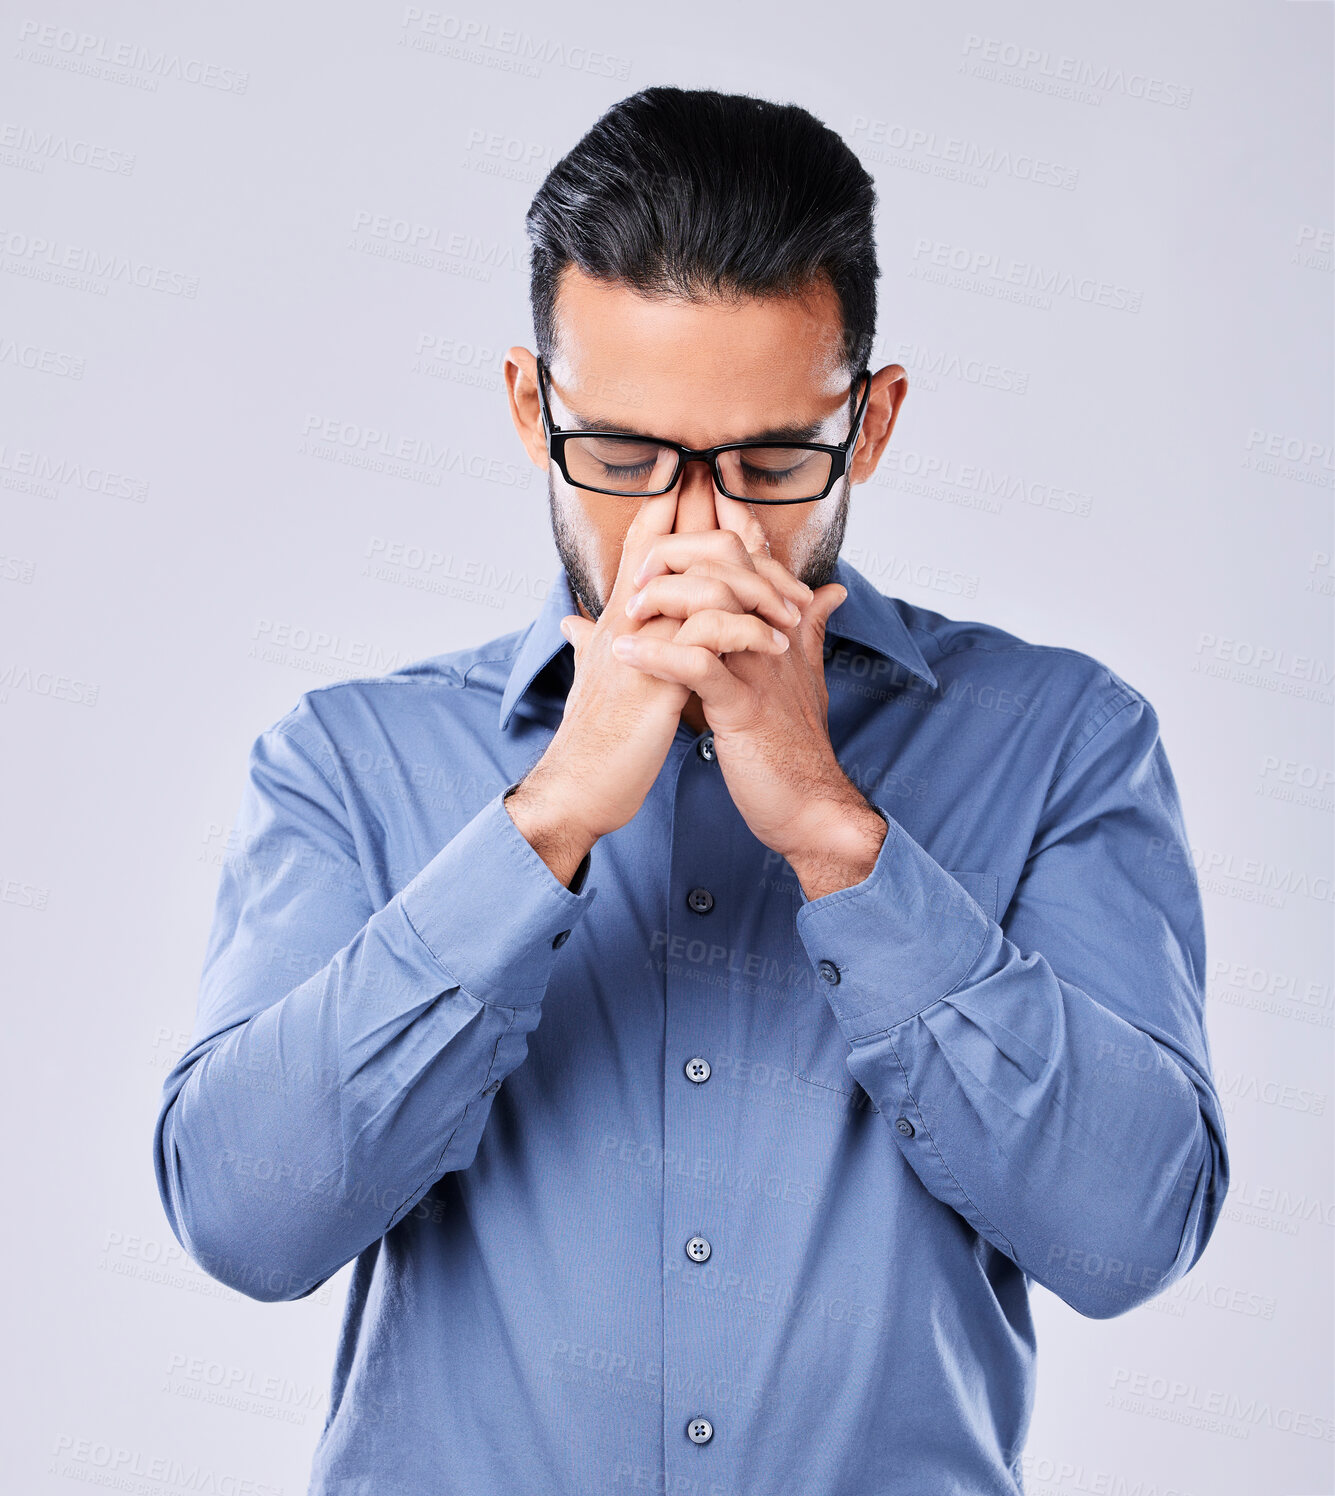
x,y
344,1057
1048,1076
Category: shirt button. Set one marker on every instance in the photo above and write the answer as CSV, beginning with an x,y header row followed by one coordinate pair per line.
x,y
492,1088
902,1124
829,972
697,1249
699,1431
701,900
560,940
705,747
697,1070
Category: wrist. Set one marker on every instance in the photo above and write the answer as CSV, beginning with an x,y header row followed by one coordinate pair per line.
x,y
545,821
838,847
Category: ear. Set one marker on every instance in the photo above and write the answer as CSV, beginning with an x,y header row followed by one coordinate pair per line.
x,y
884,400
521,384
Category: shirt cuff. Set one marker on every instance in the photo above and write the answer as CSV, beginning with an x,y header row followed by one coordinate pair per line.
x,y
890,946
491,911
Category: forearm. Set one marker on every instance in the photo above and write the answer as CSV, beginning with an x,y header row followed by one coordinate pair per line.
x,y
300,1127
1074,1141
302,1135
1052,1087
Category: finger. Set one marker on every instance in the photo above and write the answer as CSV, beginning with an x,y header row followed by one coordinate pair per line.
x,y
783,580
681,549
742,519
736,515
654,518
824,601
731,633
577,629
815,618
712,584
693,665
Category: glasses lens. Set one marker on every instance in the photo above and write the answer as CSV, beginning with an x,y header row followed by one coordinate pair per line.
x,y
774,472
624,464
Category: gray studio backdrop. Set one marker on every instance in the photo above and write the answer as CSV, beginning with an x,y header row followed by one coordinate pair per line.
x,y
257,266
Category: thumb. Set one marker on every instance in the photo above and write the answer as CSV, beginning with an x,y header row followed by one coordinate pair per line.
x,y
816,614
577,629
823,602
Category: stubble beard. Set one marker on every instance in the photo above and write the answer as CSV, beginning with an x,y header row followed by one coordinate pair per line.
x,y
815,570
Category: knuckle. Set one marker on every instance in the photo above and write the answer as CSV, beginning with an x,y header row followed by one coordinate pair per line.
x,y
700,664
701,625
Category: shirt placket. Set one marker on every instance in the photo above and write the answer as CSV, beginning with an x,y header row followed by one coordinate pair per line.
x,y
695,1229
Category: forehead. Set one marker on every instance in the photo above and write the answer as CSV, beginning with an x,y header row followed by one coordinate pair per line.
x,y
701,364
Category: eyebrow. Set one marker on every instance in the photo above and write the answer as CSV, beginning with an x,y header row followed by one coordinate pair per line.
x,y
807,433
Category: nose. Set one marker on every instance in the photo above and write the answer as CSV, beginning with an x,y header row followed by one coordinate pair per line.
x,y
695,499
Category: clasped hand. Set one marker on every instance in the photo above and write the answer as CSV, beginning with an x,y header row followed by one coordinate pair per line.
x,y
751,644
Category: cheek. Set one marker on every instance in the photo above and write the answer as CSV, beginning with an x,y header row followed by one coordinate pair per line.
x,y
599,538
798,531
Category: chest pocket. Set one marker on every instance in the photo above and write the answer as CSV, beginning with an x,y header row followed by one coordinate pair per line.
x,y
819,1049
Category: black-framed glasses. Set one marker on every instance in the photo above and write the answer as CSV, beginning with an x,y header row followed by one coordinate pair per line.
x,y
640,467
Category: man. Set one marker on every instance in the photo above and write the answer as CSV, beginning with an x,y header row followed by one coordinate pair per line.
x,y
699,1014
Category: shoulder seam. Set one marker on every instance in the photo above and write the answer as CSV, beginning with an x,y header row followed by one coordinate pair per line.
x,y
985,648
1123,689
287,726
450,676
391,679
1098,723
288,729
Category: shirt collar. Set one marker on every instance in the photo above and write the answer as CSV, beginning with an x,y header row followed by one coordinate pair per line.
x,y
865,617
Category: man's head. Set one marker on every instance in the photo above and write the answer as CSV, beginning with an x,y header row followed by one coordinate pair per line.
x,y
703,270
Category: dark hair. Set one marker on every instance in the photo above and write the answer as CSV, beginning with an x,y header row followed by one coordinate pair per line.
x,y
695,193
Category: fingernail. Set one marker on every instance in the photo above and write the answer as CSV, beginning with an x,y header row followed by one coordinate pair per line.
x,y
780,639
794,612
623,644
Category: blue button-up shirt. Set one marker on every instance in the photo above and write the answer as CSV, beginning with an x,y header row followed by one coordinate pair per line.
x,y
673,1179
